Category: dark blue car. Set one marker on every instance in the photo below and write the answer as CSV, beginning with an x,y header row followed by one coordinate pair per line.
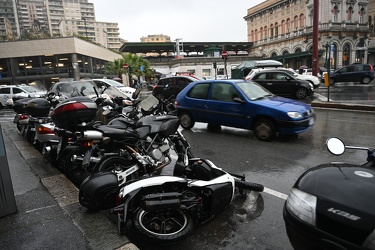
x,y
363,73
242,104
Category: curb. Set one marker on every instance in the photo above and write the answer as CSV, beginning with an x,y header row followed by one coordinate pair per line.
x,y
339,105
66,195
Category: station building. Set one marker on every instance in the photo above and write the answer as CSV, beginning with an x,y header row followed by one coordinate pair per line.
x,y
52,60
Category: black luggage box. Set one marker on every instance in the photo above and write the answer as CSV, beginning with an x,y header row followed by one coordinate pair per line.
x,y
73,112
38,107
99,191
19,105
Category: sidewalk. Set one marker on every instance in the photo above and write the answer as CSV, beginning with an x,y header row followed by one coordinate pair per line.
x,y
49,215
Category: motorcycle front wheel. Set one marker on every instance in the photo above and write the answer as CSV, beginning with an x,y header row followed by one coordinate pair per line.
x,y
164,226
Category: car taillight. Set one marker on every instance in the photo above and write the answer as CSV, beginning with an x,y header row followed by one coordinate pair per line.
x,y
175,104
371,67
154,87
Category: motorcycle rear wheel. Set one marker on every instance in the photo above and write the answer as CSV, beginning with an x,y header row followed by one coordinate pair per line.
x,y
164,226
116,164
249,185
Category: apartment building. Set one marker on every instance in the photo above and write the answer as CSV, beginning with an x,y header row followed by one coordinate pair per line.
x,y
283,30
158,38
45,18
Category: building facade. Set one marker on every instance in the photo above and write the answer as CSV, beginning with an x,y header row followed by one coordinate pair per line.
x,y
158,38
283,30
52,60
29,19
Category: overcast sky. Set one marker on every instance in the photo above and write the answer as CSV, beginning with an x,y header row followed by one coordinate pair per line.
x,y
191,20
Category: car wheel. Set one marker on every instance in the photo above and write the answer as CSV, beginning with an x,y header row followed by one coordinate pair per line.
x,y
301,93
264,130
186,120
332,81
366,80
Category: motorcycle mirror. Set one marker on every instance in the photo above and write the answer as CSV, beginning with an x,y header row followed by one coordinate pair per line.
x,y
335,146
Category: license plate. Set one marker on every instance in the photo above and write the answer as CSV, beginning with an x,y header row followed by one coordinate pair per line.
x,y
86,159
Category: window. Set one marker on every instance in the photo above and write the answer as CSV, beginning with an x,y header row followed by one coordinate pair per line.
x,y
335,12
350,12
224,92
17,90
5,91
199,91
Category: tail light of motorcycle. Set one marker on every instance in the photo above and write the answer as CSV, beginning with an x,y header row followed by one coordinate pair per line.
x,y
87,144
44,130
23,117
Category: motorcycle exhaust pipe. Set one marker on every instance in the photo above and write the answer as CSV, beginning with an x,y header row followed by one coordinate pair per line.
x,y
89,135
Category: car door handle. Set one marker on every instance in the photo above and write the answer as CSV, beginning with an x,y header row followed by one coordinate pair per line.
x,y
269,83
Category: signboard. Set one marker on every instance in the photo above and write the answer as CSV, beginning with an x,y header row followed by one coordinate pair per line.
x,y
224,54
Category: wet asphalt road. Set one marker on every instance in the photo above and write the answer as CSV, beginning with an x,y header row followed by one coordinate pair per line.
x,y
256,222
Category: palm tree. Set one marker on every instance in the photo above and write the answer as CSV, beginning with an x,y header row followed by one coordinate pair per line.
x,y
140,67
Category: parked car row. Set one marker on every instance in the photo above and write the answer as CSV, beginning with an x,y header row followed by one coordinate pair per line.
x,y
7,92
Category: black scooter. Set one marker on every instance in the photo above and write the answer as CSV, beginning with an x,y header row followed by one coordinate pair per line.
x,y
332,206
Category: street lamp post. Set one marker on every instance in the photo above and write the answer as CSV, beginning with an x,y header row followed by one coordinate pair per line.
x,y
328,64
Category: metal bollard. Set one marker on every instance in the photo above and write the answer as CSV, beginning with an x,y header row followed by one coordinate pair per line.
x,y
7,199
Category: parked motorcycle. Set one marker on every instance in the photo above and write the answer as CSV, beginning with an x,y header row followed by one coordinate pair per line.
x,y
164,208
332,206
108,147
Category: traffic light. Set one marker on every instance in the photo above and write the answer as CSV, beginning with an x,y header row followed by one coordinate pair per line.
x,y
215,65
130,69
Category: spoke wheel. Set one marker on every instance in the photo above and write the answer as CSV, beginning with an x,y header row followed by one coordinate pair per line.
x,y
164,226
366,80
301,93
186,120
264,130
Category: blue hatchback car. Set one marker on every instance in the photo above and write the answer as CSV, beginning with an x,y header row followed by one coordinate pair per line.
x,y
242,104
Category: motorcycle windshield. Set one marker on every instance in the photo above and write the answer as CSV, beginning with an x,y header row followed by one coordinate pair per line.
x,y
114,92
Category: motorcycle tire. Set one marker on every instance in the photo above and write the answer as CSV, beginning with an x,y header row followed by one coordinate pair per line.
x,y
249,185
73,169
117,163
164,226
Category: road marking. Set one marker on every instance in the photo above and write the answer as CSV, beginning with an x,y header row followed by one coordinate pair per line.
x,y
275,193
36,209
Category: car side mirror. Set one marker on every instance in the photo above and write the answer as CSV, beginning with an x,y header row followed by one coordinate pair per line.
x,y
239,100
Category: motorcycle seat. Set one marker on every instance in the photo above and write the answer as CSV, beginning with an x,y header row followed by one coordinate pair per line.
x,y
109,130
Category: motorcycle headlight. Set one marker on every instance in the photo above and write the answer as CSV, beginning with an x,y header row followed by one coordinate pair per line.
x,y
302,205
295,114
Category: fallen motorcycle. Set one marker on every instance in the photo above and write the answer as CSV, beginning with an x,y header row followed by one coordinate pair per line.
x,y
165,208
332,206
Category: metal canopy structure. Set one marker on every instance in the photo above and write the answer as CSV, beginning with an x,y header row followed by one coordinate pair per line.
x,y
188,47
